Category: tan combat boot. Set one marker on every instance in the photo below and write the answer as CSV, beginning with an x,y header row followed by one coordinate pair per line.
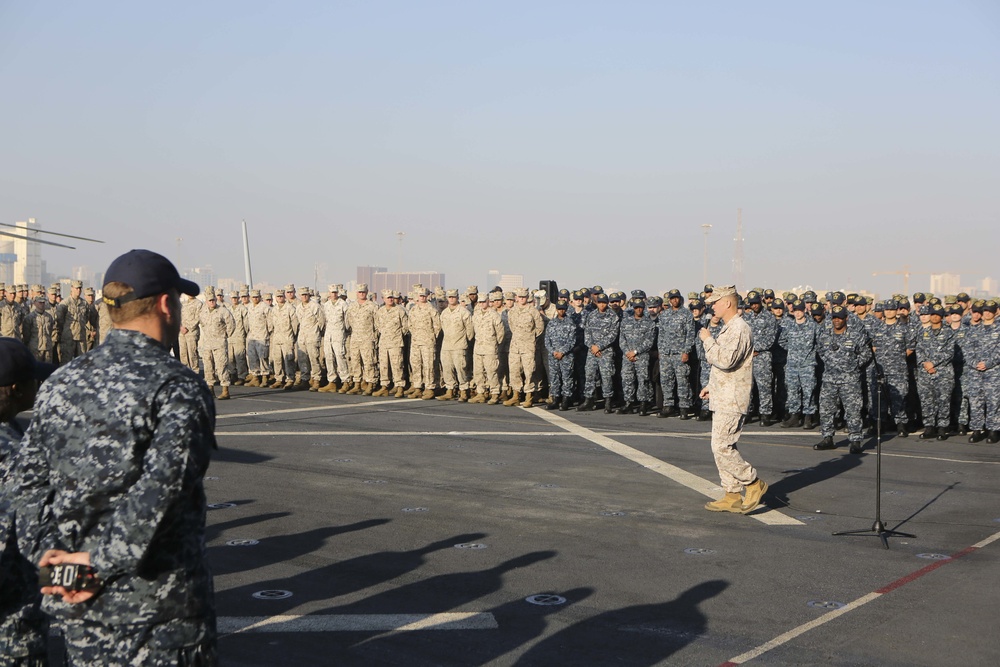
x,y
463,396
383,391
399,392
346,387
427,395
366,388
288,386
355,389
731,502
328,388
225,394
494,400
478,398
313,385
255,382
515,398
529,400
753,492
277,384
448,395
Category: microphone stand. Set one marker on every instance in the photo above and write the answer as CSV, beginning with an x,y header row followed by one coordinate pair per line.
x,y
878,528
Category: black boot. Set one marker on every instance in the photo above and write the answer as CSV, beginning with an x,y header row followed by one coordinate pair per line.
x,y
627,408
792,420
704,416
607,406
810,422
564,405
686,414
994,437
644,409
942,434
825,443
766,420
667,411
977,436
963,429
587,406
554,405
929,433
903,430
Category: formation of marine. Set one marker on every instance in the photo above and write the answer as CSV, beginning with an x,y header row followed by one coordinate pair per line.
x,y
840,360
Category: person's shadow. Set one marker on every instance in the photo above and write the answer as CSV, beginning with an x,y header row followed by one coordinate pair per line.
x,y
643,634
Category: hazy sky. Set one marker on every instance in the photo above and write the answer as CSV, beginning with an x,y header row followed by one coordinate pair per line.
x,y
583,141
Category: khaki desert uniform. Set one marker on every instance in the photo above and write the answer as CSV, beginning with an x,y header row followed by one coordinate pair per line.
x,y
237,368
216,326
310,338
490,334
361,325
190,316
392,324
526,326
425,325
284,325
457,332
258,336
731,356
335,337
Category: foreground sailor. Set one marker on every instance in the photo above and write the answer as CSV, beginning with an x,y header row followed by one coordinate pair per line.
x,y
730,353
114,462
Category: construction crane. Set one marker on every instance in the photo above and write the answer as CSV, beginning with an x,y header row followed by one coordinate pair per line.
x,y
905,272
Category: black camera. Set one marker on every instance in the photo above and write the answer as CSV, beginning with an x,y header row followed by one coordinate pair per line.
x,y
71,576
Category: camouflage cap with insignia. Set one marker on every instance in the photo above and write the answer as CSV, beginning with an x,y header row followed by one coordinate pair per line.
x,y
879,307
303,291
522,292
89,291
950,299
562,304
696,304
244,292
654,301
268,296
289,288
839,313
693,295
452,293
496,296
724,291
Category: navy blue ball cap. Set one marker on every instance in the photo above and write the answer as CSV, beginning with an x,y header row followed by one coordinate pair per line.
x,y
890,304
148,274
17,363
654,301
562,304
601,298
838,313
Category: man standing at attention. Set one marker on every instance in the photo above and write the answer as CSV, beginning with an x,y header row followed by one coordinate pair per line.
x,y
114,462
731,355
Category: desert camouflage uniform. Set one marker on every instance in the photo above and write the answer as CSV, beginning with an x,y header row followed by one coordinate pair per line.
x,y
457,332
309,339
216,326
190,316
489,336
360,321
425,325
526,327
72,317
392,324
335,340
284,326
114,462
39,334
237,368
258,337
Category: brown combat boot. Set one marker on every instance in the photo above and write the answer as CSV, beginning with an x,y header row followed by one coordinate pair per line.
x,y
447,396
313,385
329,387
463,396
383,391
355,389
288,386
255,382
515,398
529,400
731,502
366,388
753,493
494,400
225,394
277,384
399,392
427,395
478,398
346,387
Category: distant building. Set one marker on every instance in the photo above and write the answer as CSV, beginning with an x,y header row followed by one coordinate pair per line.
x,y
203,275
945,283
511,281
492,279
404,282
366,274
28,265
989,286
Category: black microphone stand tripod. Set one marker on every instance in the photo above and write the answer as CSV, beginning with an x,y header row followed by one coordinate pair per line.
x,y
878,528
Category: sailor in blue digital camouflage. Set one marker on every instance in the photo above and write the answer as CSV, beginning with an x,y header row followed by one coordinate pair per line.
x,y
964,345
560,345
844,351
23,626
798,338
714,325
765,332
675,340
113,462
636,338
600,333
984,397
935,374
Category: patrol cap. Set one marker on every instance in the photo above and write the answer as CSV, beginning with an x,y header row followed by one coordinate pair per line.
x,y
452,293
521,291
799,305
340,288
562,304
508,296
938,310
148,274
654,301
255,293
541,294
496,296
472,289
362,287
304,290
41,299
3,287
950,299
76,284
89,291
268,296
838,313
753,297
244,292
53,291
693,295
396,295
332,288
673,294
18,364
725,290
601,298
963,297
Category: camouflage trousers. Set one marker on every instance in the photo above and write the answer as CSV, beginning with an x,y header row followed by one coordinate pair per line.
x,y
522,370
362,360
562,376
763,382
215,359
831,397
125,646
934,390
454,372
422,366
307,357
23,641
605,366
734,472
503,368
237,368
896,386
484,373
704,373
800,385
189,350
335,352
42,355
283,359
70,349
635,380
390,366
983,390
257,361
674,374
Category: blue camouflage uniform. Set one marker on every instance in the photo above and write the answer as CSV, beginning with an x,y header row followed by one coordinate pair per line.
x,y
843,356
984,387
936,346
675,336
23,627
601,330
637,335
891,342
799,341
561,336
705,368
964,348
764,328
114,460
